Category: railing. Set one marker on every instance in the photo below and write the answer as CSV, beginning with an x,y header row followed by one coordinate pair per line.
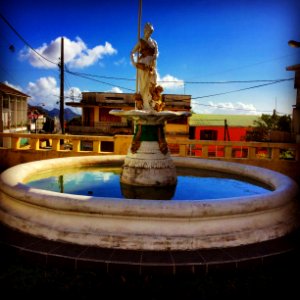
x,y
16,148
179,147
55,142
235,150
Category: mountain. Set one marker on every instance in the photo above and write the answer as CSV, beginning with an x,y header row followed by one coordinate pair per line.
x,y
69,114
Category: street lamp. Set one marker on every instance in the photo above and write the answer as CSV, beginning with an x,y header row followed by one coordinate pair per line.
x,y
294,44
296,108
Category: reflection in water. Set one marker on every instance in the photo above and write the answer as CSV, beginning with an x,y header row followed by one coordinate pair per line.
x,y
105,182
147,192
61,183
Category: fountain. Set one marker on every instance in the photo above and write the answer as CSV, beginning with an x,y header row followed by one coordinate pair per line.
x,y
148,162
148,224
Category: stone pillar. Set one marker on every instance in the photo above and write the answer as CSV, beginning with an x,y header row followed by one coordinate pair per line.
x,y
148,161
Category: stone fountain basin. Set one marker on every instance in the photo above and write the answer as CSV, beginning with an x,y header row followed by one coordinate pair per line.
x,y
149,224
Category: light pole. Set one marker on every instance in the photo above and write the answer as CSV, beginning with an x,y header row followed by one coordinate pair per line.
x,y
294,44
296,107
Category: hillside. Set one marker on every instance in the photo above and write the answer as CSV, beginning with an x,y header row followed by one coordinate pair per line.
x,y
69,114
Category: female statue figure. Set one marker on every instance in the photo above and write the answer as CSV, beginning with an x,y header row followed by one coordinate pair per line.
x,y
149,92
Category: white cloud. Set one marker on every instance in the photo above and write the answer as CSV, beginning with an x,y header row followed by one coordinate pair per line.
x,y
170,82
45,92
225,108
73,94
116,89
121,62
76,53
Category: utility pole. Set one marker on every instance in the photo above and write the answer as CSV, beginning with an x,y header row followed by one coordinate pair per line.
x,y
62,88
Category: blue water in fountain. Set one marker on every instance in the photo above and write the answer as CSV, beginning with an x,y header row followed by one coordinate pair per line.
x,y
105,182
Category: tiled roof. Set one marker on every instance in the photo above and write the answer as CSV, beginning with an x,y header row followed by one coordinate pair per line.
x,y
218,120
5,89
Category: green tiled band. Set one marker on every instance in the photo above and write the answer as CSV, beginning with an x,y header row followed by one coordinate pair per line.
x,y
148,132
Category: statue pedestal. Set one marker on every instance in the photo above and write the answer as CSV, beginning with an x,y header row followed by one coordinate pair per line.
x,y
148,162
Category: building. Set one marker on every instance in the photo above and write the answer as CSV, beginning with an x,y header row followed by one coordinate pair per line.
x,y
220,127
13,111
96,119
209,127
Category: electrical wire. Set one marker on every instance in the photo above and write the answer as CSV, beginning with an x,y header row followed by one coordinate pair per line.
x,y
96,80
24,41
174,81
244,89
90,76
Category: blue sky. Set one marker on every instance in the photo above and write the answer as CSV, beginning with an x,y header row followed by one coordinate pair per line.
x,y
199,41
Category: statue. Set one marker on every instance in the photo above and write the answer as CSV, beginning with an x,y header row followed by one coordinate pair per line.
x,y
148,162
149,97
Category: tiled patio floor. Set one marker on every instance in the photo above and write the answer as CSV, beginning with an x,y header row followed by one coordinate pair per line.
x,y
51,253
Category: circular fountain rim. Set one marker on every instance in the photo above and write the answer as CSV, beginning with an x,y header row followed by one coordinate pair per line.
x,y
148,224
12,182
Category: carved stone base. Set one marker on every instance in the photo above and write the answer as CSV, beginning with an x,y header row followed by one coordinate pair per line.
x,y
148,162
148,166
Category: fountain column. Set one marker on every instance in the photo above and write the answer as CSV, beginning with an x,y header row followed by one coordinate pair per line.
x,y
148,161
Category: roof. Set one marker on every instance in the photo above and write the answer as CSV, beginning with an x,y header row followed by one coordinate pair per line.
x,y
218,120
113,100
5,89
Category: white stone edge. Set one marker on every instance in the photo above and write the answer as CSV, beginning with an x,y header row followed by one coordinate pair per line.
x,y
285,190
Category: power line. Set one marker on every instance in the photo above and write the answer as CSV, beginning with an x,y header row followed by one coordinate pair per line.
x,y
244,89
267,82
24,41
231,81
174,81
101,76
96,80
88,76
254,64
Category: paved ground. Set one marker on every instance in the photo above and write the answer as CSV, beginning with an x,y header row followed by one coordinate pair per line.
x,y
76,257
40,269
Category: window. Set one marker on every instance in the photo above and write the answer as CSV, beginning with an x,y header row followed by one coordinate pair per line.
x,y
211,135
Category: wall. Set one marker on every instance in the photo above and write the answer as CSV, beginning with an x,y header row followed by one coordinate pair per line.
x,y
235,133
